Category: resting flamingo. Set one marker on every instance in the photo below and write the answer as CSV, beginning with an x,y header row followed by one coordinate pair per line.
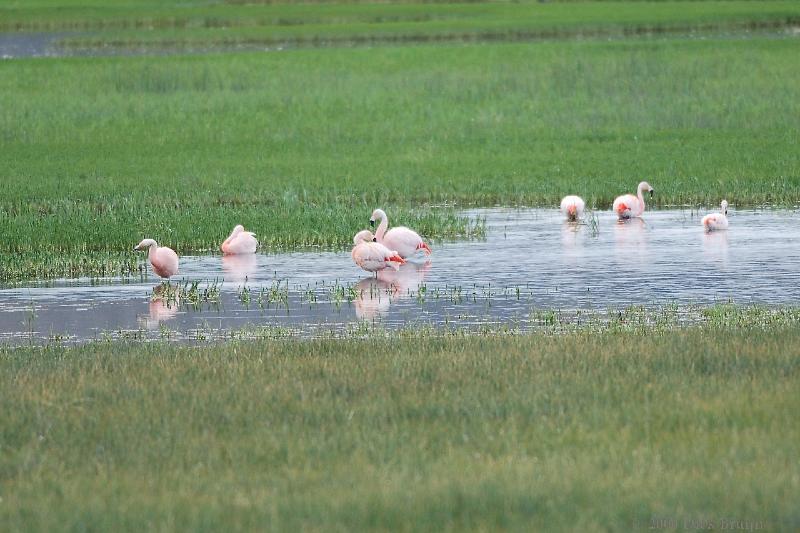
x,y
373,256
164,260
240,242
629,206
572,207
717,221
407,242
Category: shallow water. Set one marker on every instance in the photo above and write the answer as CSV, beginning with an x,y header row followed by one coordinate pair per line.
x,y
23,44
531,260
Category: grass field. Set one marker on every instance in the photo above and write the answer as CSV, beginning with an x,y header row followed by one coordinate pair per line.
x,y
588,431
628,424
129,21
301,146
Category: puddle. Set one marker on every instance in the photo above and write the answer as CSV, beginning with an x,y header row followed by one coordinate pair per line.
x,y
530,261
30,44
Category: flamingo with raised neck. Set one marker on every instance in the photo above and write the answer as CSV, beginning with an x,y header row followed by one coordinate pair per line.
x,y
717,221
405,241
629,206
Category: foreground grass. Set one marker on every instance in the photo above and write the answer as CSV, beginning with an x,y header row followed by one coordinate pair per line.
x,y
96,153
582,432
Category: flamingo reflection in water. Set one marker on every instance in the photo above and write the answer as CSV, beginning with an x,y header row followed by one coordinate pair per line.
x,y
239,268
160,309
375,295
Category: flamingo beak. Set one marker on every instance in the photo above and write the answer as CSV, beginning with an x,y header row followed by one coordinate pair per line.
x,y
136,248
651,192
374,239
372,223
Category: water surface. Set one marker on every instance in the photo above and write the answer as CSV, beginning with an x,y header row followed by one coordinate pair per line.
x,y
531,260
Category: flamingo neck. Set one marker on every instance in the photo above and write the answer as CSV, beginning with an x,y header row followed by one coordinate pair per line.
x,y
151,252
641,199
382,227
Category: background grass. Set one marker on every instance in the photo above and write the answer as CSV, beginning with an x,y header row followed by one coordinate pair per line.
x,y
580,432
203,20
300,146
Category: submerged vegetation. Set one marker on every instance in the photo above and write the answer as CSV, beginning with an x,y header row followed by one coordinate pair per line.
x,y
589,431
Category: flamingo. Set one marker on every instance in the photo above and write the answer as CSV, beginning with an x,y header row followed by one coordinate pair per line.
x,y
572,207
239,242
629,206
163,259
373,256
717,221
407,242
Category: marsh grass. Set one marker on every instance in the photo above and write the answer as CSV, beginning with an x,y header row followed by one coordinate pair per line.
x,y
585,431
97,153
125,24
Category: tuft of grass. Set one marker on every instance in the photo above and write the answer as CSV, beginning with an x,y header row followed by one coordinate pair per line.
x,y
585,431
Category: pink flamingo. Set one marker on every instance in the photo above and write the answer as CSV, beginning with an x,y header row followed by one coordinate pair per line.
x,y
163,259
240,242
572,207
717,221
629,206
407,242
373,256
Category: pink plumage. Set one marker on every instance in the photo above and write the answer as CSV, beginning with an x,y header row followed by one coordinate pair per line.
x,y
240,242
164,260
373,256
628,205
717,221
406,241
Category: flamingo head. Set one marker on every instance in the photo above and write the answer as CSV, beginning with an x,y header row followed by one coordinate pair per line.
x,y
645,187
363,236
145,244
378,214
238,229
724,206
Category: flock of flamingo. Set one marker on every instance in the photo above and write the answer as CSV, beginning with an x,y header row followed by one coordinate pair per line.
x,y
390,248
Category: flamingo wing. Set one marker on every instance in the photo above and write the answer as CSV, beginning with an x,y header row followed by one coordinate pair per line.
x,y
165,262
626,206
405,241
373,256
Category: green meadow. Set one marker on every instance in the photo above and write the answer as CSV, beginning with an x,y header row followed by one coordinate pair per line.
x,y
589,431
97,153
423,109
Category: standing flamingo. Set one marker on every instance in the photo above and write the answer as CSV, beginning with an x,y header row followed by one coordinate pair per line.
x,y
373,256
572,207
239,242
163,259
407,242
629,206
717,221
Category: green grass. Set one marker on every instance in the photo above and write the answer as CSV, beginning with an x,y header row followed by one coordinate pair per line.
x,y
300,146
280,24
578,432
364,18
